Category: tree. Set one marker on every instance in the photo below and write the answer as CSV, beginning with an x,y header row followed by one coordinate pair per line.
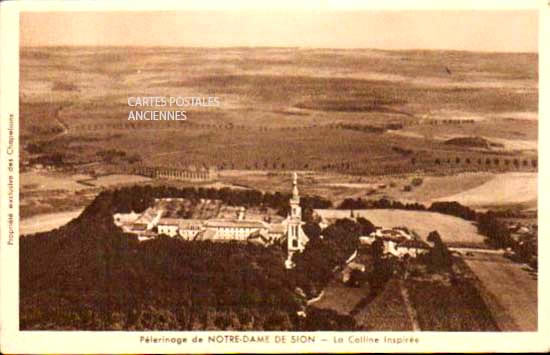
x,y
497,233
367,227
377,249
312,230
356,278
439,258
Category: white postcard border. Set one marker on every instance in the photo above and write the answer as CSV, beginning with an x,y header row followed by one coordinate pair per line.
x,y
14,341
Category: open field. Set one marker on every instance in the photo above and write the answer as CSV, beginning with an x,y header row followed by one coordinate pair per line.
x,y
279,108
440,187
45,192
352,123
336,187
320,111
509,289
504,189
430,303
117,179
451,229
491,128
47,181
46,222
432,187
43,181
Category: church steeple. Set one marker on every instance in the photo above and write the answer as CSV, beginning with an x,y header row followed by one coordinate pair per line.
x,y
295,192
296,237
295,210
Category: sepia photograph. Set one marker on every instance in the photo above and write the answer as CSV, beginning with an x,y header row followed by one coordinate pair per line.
x,y
275,172
229,174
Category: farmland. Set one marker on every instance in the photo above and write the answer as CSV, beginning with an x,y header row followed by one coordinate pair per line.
x,y
451,308
352,123
385,312
279,108
509,289
36,181
453,230
401,304
344,118
513,188
48,192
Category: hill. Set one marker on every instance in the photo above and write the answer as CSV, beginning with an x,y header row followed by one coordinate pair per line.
x,y
77,277
472,142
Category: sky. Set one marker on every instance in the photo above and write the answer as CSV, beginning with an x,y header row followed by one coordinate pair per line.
x,y
487,30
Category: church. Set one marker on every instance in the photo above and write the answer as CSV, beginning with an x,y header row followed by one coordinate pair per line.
x,y
296,238
150,224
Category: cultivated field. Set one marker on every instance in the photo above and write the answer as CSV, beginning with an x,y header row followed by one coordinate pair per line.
x,y
449,307
504,189
341,298
509,290
352,123
326,112
387,312
451,229
279,108
45,193
118,179
43,181
433,186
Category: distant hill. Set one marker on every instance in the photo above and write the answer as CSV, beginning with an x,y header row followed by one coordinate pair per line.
x,y
472,142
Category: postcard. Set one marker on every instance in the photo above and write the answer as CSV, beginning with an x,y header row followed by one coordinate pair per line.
x,y
273,178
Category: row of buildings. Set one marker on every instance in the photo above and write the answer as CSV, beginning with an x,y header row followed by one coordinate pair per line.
x,y
151,224
190,173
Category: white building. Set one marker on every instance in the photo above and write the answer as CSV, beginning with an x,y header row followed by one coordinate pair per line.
x,y
169,226
190,228
397,241
238,230
412,248
226,229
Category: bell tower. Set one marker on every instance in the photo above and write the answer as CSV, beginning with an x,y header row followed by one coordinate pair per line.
x,y
296,238
295,209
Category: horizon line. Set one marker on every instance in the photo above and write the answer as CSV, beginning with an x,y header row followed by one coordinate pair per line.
x,y
277,47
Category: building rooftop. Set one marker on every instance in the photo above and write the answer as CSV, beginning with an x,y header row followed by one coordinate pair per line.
x,y
278,228
206,234
417,244
139,227
147,216
170,221
234,223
